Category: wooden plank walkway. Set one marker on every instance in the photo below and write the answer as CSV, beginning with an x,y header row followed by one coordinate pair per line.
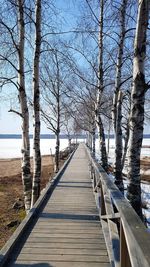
x,y
67,232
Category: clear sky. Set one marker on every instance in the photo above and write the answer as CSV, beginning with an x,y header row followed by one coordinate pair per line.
x,y
11,123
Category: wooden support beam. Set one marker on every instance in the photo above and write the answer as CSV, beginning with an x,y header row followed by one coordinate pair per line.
x,y
112,216
124,255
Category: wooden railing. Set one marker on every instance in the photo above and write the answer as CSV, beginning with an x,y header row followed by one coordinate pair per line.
x,y
67,150
127,238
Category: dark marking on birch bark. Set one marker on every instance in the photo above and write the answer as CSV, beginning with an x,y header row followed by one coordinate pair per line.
x,y
137,108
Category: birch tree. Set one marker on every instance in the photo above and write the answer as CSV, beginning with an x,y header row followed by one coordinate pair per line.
x,y
36,107
117,101
137,107
54,76
58,116
99,123
119,64
125,124
26,175
118,143
15,75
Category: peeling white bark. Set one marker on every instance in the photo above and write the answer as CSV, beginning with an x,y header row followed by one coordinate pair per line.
x,y
126,140
26,175
100,89
93,140
117,102
137,107
119,61
36,107
58,116
101,135
118,141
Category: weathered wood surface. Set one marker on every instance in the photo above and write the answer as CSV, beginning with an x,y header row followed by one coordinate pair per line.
x,y
129,233
68,231
30,219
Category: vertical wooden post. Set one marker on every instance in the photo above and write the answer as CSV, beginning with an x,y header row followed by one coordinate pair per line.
x,y
103,209
91,170
94,180
124,255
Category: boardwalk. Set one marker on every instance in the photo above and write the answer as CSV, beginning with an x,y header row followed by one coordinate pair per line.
x,y
67,232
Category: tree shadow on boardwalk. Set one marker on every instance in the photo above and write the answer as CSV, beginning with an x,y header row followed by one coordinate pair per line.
x,y
40,264
66,216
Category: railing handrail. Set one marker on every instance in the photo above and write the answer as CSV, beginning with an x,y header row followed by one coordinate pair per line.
x,y
137,237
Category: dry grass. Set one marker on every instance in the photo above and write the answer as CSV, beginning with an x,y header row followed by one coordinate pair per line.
x,y
11,190
145,169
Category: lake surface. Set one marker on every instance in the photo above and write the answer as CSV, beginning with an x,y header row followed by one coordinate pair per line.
x,y
11,147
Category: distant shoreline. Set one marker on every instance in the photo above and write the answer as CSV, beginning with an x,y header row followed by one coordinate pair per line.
x,y
52,136
20,158
43,136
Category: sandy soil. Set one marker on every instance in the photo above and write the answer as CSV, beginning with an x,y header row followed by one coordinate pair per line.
x,y
145,169
11,191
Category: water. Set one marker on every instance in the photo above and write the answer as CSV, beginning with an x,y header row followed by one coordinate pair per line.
x,y
11,148
145,151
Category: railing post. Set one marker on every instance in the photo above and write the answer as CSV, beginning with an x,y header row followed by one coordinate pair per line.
x,y
103,209
94,181
91,170
93,176
124,255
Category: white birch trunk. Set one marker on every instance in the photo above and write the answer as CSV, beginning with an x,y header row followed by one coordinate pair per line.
x,y
100,89
126,140
101,135
93,141
26,175
57,152
89,141
119,62
58,116
108,138
36,107
118,141
117,102
137,107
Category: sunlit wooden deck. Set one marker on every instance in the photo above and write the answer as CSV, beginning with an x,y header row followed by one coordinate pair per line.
x,y
67,231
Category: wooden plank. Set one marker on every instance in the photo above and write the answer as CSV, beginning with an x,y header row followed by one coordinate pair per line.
x,y
61,258
59,245
71,236
64,251
70,225
59,264
66,240
48,230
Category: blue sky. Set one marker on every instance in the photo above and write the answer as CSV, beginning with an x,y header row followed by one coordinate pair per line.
x,y
11,123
